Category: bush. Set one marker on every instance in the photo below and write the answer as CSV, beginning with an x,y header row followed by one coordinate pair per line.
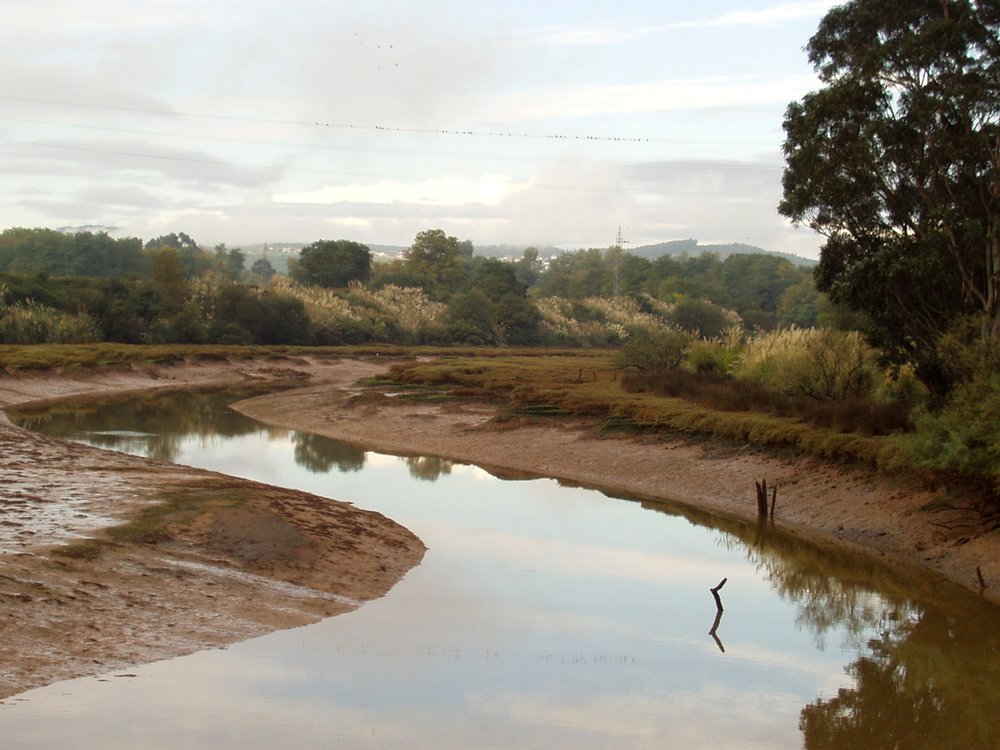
x,y
31,323
822,365
709,357
963,434
655,351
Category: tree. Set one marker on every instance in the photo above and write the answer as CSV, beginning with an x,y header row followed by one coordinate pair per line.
x,y
655,352
897,162
333,263
701,317
229,262
528,267
194,260
437,259
168,278
262,267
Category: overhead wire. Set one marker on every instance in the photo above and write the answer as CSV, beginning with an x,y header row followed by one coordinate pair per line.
x,y
665,164
358,126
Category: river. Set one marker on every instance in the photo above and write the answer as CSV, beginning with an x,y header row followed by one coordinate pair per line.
x,y
542,616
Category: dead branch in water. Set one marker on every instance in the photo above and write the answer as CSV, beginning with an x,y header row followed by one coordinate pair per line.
x,y
715,593
718,614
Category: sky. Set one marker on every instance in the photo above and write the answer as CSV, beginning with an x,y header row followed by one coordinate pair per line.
x,y
515,122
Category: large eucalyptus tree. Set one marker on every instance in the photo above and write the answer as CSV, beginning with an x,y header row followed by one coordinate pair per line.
x,y
896,160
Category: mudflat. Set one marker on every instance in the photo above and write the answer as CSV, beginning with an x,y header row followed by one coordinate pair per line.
x,y
277,558
236,560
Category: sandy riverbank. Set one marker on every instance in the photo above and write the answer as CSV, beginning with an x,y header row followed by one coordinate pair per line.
x,y
285,558
249,560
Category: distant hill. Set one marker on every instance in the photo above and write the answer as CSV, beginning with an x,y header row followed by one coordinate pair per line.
x,y
691,247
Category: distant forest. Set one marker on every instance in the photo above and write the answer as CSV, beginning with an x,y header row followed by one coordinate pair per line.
x,y
87,286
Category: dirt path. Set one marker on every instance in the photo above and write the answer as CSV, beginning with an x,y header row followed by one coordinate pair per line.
x,y
239,560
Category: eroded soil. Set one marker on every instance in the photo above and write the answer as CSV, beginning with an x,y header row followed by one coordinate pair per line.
x,y
234,560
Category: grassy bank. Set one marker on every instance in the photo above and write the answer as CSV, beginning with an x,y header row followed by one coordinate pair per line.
x,y
15,357
588,384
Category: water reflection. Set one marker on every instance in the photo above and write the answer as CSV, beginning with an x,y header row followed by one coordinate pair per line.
x,y
156,424
926,660
428,468
550,617
319,454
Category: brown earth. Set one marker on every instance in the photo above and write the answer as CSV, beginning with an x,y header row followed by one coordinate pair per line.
x,y
235,560
280,558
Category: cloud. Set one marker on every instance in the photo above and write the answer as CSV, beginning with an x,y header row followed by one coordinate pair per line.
x,y
487,190
81,18
659,96
617,32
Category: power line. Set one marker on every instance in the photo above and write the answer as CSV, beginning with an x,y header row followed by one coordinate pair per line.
x,y
666,165
354,126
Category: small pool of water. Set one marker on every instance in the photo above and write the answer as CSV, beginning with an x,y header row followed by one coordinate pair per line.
x,y
542,616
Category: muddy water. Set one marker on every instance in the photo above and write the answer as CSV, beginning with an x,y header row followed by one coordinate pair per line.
x,y
543,616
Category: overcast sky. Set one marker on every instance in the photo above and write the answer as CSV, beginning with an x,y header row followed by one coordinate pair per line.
x,y
244,121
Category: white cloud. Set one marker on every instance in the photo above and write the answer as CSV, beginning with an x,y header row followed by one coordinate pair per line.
x,y
488,190
616,32
659,96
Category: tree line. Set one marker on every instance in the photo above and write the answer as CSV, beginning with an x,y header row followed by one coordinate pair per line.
x,y
169,289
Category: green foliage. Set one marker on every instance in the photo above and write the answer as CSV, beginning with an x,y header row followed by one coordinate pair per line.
x,y
334,264
655,351
437,260
799,306
31,323
193,260
712,357
963,434
228,262
81,254
169,278
819,364
702,318
263,269
896,160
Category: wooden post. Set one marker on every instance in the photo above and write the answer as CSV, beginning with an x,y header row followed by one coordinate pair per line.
x,y
762,500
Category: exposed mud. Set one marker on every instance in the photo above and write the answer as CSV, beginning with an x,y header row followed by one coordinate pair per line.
x,y
230,569
234,560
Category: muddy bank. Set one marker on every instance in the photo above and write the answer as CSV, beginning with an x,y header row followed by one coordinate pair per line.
x,y
231,560
888,517
252,558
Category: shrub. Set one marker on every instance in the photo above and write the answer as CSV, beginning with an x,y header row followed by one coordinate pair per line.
x,y
31,323
963,434
655,351
819,364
